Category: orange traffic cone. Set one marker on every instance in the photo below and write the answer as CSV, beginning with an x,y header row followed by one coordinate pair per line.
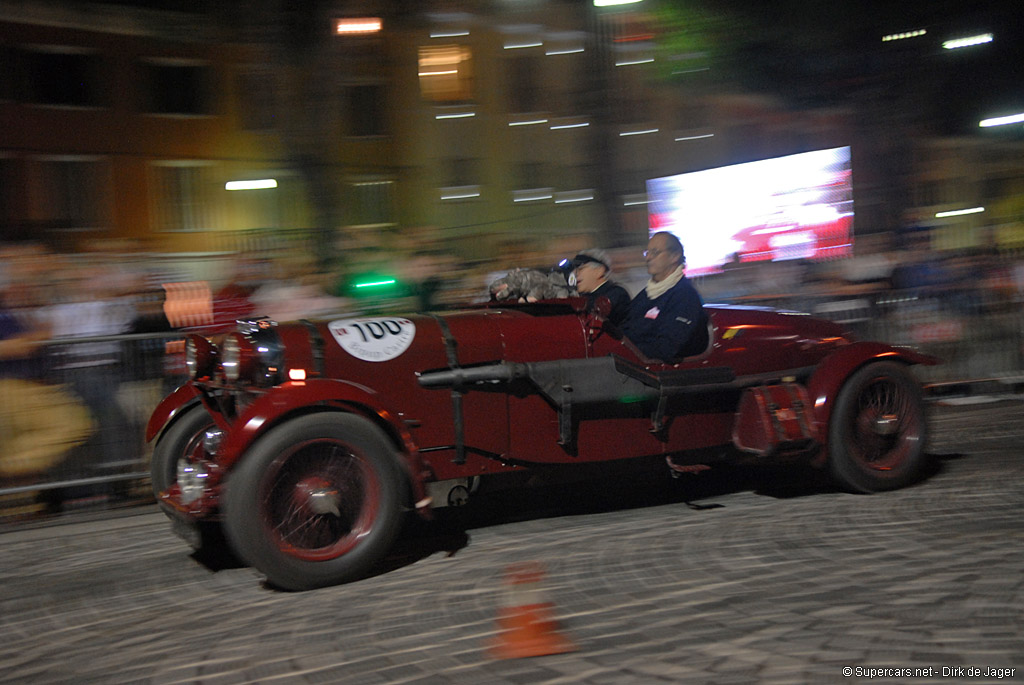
x,y
526,618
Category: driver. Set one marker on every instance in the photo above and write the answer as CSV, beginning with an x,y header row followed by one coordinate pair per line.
x,y
666,319
590,269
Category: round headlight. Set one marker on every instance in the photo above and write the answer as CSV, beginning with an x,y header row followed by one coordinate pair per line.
x,y
190,357
231,359
237,358
200,356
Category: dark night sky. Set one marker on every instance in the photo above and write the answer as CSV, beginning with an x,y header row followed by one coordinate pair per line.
x,y
819,52
831,52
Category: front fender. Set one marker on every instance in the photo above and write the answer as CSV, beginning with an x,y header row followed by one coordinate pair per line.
x,y
832,372
296,397
169,407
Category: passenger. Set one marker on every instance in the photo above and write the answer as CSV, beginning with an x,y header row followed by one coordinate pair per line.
x,y
591,268
666,319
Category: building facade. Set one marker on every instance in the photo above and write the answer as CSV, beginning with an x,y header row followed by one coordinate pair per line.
x,y
129,124
480,124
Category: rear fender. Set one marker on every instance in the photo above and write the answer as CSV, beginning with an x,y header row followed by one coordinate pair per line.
x,y
300,397
830,375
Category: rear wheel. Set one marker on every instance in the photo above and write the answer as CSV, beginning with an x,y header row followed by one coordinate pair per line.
x,y
316,501
878,430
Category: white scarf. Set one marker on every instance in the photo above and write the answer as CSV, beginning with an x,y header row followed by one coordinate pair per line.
x,y
656,289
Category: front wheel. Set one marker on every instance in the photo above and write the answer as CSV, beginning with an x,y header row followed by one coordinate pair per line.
x,y
878,430
177,447
315,502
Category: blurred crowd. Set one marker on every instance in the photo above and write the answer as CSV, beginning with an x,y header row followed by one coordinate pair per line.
x,y
881,267
84,336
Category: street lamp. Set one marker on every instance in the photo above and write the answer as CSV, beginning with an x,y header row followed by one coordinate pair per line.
x,y
1002,121
968,41
904,35
261,184
959,212
257,184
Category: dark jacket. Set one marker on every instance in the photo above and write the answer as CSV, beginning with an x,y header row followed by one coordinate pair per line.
x,y
617,295
670,327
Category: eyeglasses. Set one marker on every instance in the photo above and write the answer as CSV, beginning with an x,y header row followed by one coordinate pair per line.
x,y
654,253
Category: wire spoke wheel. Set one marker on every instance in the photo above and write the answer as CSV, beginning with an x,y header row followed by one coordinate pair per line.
x,y
878,429
320,499
316,501
886,424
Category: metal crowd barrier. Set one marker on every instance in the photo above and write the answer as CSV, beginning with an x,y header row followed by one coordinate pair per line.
x,y
72,436
978,334
72,422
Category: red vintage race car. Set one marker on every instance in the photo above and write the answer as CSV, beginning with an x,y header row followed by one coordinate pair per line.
x,y
306,443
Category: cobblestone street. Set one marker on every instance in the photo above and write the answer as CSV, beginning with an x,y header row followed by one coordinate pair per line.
x,y
731,577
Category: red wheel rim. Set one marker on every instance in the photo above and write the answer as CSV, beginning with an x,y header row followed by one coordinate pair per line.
x,y
194,451
319,500
192,454
886,425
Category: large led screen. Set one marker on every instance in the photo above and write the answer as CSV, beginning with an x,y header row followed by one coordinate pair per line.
x,y
794,207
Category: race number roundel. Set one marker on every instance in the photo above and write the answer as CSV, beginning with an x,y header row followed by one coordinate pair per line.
x,y
374,339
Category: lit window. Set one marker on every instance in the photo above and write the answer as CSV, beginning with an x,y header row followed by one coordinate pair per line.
x,y
357,26
445,73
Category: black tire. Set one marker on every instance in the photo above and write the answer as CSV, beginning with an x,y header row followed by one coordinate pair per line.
x,y
183,438
315,502
878,430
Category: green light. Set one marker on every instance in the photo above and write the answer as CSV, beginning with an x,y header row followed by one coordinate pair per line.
x,y
373,284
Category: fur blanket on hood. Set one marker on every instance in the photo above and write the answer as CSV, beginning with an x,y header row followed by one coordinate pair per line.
x,y
530,285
